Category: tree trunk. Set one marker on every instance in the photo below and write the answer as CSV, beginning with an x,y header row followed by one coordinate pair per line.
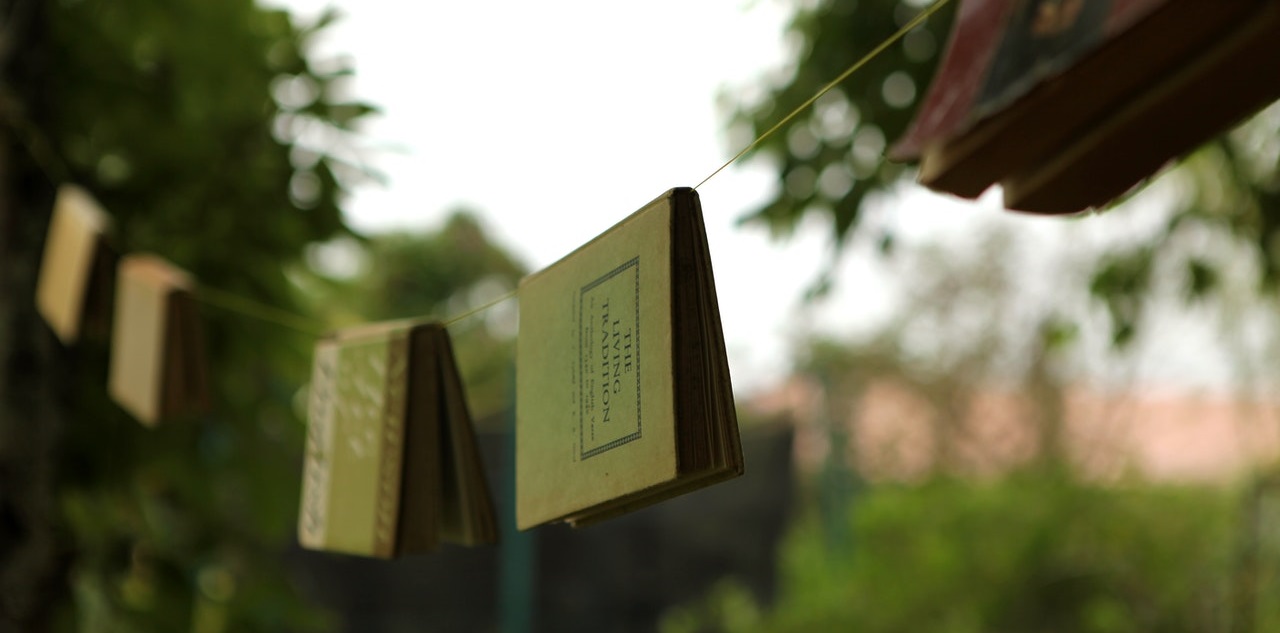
x,y
33,377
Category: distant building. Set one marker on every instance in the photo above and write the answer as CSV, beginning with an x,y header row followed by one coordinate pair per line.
x,y
1147,433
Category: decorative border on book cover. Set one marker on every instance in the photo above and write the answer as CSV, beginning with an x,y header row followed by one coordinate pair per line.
x,y
314,519
389,484
608,359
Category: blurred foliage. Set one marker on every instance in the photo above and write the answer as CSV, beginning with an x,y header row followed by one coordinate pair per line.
x,y
830,159
442,274
1026,553
1038,550
215,140
956,333
430,273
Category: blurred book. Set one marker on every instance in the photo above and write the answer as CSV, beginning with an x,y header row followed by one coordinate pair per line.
x,y
73,292
1071,103
392,466
623,391
157,369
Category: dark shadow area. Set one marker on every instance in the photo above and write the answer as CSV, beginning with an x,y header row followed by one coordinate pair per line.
x,y
618,576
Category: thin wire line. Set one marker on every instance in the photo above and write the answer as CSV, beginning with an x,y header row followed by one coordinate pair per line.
x,y
47,161
408,322
55,169
38,147
875,52
478,309
248,307
50,162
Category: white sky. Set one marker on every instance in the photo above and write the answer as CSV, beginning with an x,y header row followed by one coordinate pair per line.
x,y
555,119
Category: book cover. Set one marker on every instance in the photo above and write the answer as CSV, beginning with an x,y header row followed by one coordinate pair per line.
x,y
623,391
355,436
157,351
1054,111
391,466
1206,96
74,246
595,395
1001,50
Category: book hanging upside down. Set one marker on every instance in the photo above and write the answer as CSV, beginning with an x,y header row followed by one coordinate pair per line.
x,y
1069,104
623,396
392,465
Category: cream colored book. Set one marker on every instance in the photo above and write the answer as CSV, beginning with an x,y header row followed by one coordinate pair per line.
x,y
623,391
75,272
157,369
392,465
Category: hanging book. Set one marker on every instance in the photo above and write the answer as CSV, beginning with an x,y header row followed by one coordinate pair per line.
x,y
392,464
1225,82
1070,103
74,287
623,391
157,368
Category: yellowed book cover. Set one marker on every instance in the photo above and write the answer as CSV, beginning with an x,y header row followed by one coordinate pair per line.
x,y
157,367
391,463
623,391
74,246
351,481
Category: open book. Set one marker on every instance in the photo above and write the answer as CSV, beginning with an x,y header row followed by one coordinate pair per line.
x,y
623,391
1070,103
392,465
74,289
1227,80
157,369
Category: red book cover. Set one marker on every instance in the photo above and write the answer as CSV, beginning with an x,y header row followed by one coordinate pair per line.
x,y
1002,49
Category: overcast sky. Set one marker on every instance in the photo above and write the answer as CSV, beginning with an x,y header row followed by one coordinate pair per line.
x,y
555,119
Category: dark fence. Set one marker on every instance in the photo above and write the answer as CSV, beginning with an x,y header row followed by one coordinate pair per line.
x,y
618,576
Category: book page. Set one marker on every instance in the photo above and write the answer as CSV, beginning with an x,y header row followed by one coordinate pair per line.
x,y
420,486
468,513
186,388
595,404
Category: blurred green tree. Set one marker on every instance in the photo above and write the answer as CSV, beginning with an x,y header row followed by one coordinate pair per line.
x,y
217,141
830,159
1037,550
1026,553
442,273
431,273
